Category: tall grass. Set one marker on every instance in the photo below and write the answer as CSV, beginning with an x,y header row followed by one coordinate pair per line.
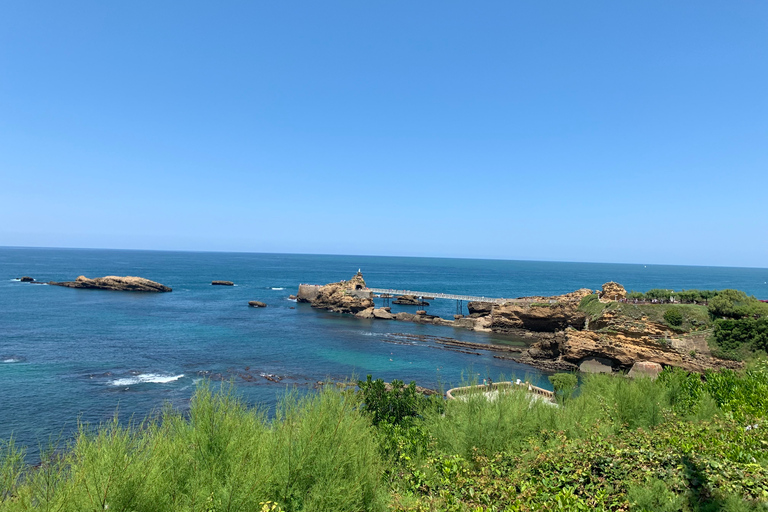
x,y
510,422
318,454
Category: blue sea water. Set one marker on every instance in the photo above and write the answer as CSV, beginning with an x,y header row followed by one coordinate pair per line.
x,y
70,355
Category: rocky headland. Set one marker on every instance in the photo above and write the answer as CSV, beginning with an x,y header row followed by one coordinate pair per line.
x,y
115,283
594,331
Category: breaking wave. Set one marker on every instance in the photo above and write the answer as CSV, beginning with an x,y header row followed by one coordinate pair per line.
x,y
154,378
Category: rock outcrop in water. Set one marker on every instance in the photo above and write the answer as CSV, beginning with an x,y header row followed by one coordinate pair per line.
x,y
410,300
222,283
26,279
256,304
342,297
115,283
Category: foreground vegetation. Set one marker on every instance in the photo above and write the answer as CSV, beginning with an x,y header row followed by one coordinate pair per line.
x,y
678,443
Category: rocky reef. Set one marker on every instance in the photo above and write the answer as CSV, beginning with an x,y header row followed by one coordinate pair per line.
x,y
222,283
115,283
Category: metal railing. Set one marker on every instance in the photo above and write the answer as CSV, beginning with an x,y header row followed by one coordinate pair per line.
x,y
484,388
451,296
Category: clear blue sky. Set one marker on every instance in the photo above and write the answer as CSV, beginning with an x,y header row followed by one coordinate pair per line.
x,y
555,130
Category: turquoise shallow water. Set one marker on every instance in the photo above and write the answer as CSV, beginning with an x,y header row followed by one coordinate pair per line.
x,y
70,354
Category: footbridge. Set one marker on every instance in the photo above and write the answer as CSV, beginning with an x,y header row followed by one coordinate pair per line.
x,y
450,296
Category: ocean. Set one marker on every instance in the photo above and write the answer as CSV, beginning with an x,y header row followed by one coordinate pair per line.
x,y
69,356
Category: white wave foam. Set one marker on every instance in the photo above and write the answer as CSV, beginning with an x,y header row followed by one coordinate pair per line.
x,y
274,288
11,360
154,378
17,280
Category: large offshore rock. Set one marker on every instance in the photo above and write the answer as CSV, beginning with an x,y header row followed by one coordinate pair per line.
x,y
342,297
222,283
115,283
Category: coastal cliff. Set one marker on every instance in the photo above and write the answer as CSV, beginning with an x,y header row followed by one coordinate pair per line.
x,y
115,283
610,335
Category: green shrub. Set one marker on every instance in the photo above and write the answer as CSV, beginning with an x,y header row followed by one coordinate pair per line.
x,y
319,453
752,333
736,304
394,405
674,317
564,384
654,496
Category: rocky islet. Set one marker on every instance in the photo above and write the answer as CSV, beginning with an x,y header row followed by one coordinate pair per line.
x,y
115,283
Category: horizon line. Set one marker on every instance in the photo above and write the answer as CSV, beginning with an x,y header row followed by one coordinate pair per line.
x,y
477,258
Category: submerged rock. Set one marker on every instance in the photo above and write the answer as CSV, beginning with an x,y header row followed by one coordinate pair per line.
x,y
115,283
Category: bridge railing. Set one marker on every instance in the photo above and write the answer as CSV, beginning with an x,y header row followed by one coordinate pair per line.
x,y
453,393
451,296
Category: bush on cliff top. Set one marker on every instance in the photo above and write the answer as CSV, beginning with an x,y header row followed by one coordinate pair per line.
x,y
674,317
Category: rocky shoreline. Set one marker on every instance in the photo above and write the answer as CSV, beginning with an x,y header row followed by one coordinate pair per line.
x,y
564,337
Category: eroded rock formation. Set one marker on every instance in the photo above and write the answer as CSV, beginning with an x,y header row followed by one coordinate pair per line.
x,y
618,340
539,314
342,297
612,292
115,283
222,283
